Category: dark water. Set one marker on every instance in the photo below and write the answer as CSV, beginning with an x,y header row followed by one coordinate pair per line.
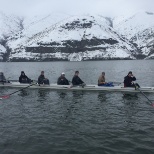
x,y
37,121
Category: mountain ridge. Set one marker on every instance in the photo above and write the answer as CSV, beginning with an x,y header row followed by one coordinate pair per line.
x,y
75,38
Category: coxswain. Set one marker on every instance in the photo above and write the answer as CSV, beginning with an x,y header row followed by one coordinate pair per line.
x,y
62,80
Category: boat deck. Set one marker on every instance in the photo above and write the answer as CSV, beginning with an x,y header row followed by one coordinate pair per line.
x,y
85,88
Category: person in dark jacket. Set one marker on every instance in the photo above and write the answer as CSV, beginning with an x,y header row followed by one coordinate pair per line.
x,y
2,77
76,80
62,80
128,80
23,78
42,79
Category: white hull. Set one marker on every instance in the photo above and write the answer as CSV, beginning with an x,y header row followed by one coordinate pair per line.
x,y
86,88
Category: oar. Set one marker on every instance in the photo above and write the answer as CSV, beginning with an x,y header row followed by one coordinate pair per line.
x,y
146,97
7,96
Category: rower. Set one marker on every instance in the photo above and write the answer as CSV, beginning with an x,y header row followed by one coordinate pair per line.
x,y
23,78
2,78
101,81
76,80
42,79
62,80
128,80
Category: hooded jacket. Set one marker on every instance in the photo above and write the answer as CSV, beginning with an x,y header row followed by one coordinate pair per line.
x,y
24,79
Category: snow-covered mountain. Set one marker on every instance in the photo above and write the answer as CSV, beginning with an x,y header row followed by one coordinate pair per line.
x,y
73,38
76,38
139,29
2,52
9,26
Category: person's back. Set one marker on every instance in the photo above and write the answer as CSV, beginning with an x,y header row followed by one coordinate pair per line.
x,y
62,80
128,80
2,77
76,80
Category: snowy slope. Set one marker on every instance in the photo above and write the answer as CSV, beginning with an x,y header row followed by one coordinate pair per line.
x,y
145,41
2,51
75,38
129,27
139,28
33,25
9,25
58,33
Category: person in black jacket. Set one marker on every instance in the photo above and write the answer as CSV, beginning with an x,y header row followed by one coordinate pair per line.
x,y
76,80
62,80
128,80
42,79
23,78
2,77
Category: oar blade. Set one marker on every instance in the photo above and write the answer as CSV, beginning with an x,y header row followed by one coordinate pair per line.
x,y
4,97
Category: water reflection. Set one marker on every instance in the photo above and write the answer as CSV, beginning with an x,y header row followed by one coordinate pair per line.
x,y
23,93
62,94
42,95
130,109
78,94
129,97
79,122
102,96
71,108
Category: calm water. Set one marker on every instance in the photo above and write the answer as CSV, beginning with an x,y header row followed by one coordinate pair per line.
x,y
37,121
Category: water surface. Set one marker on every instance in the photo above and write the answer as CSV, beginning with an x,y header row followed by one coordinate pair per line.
x,y
62,122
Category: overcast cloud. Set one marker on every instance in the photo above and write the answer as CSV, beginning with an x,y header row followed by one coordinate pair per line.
x,y
109,8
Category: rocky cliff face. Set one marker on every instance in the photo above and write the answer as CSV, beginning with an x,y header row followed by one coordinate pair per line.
x,y
76,38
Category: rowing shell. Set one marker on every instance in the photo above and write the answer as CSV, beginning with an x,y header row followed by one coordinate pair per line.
x,y
85,88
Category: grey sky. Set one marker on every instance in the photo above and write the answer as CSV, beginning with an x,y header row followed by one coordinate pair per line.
x,y
74,7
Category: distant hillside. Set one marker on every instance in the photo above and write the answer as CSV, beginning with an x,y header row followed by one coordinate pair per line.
x,y
139,29
76,38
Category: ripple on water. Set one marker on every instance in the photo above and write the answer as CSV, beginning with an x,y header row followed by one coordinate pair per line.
x,y
45,121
